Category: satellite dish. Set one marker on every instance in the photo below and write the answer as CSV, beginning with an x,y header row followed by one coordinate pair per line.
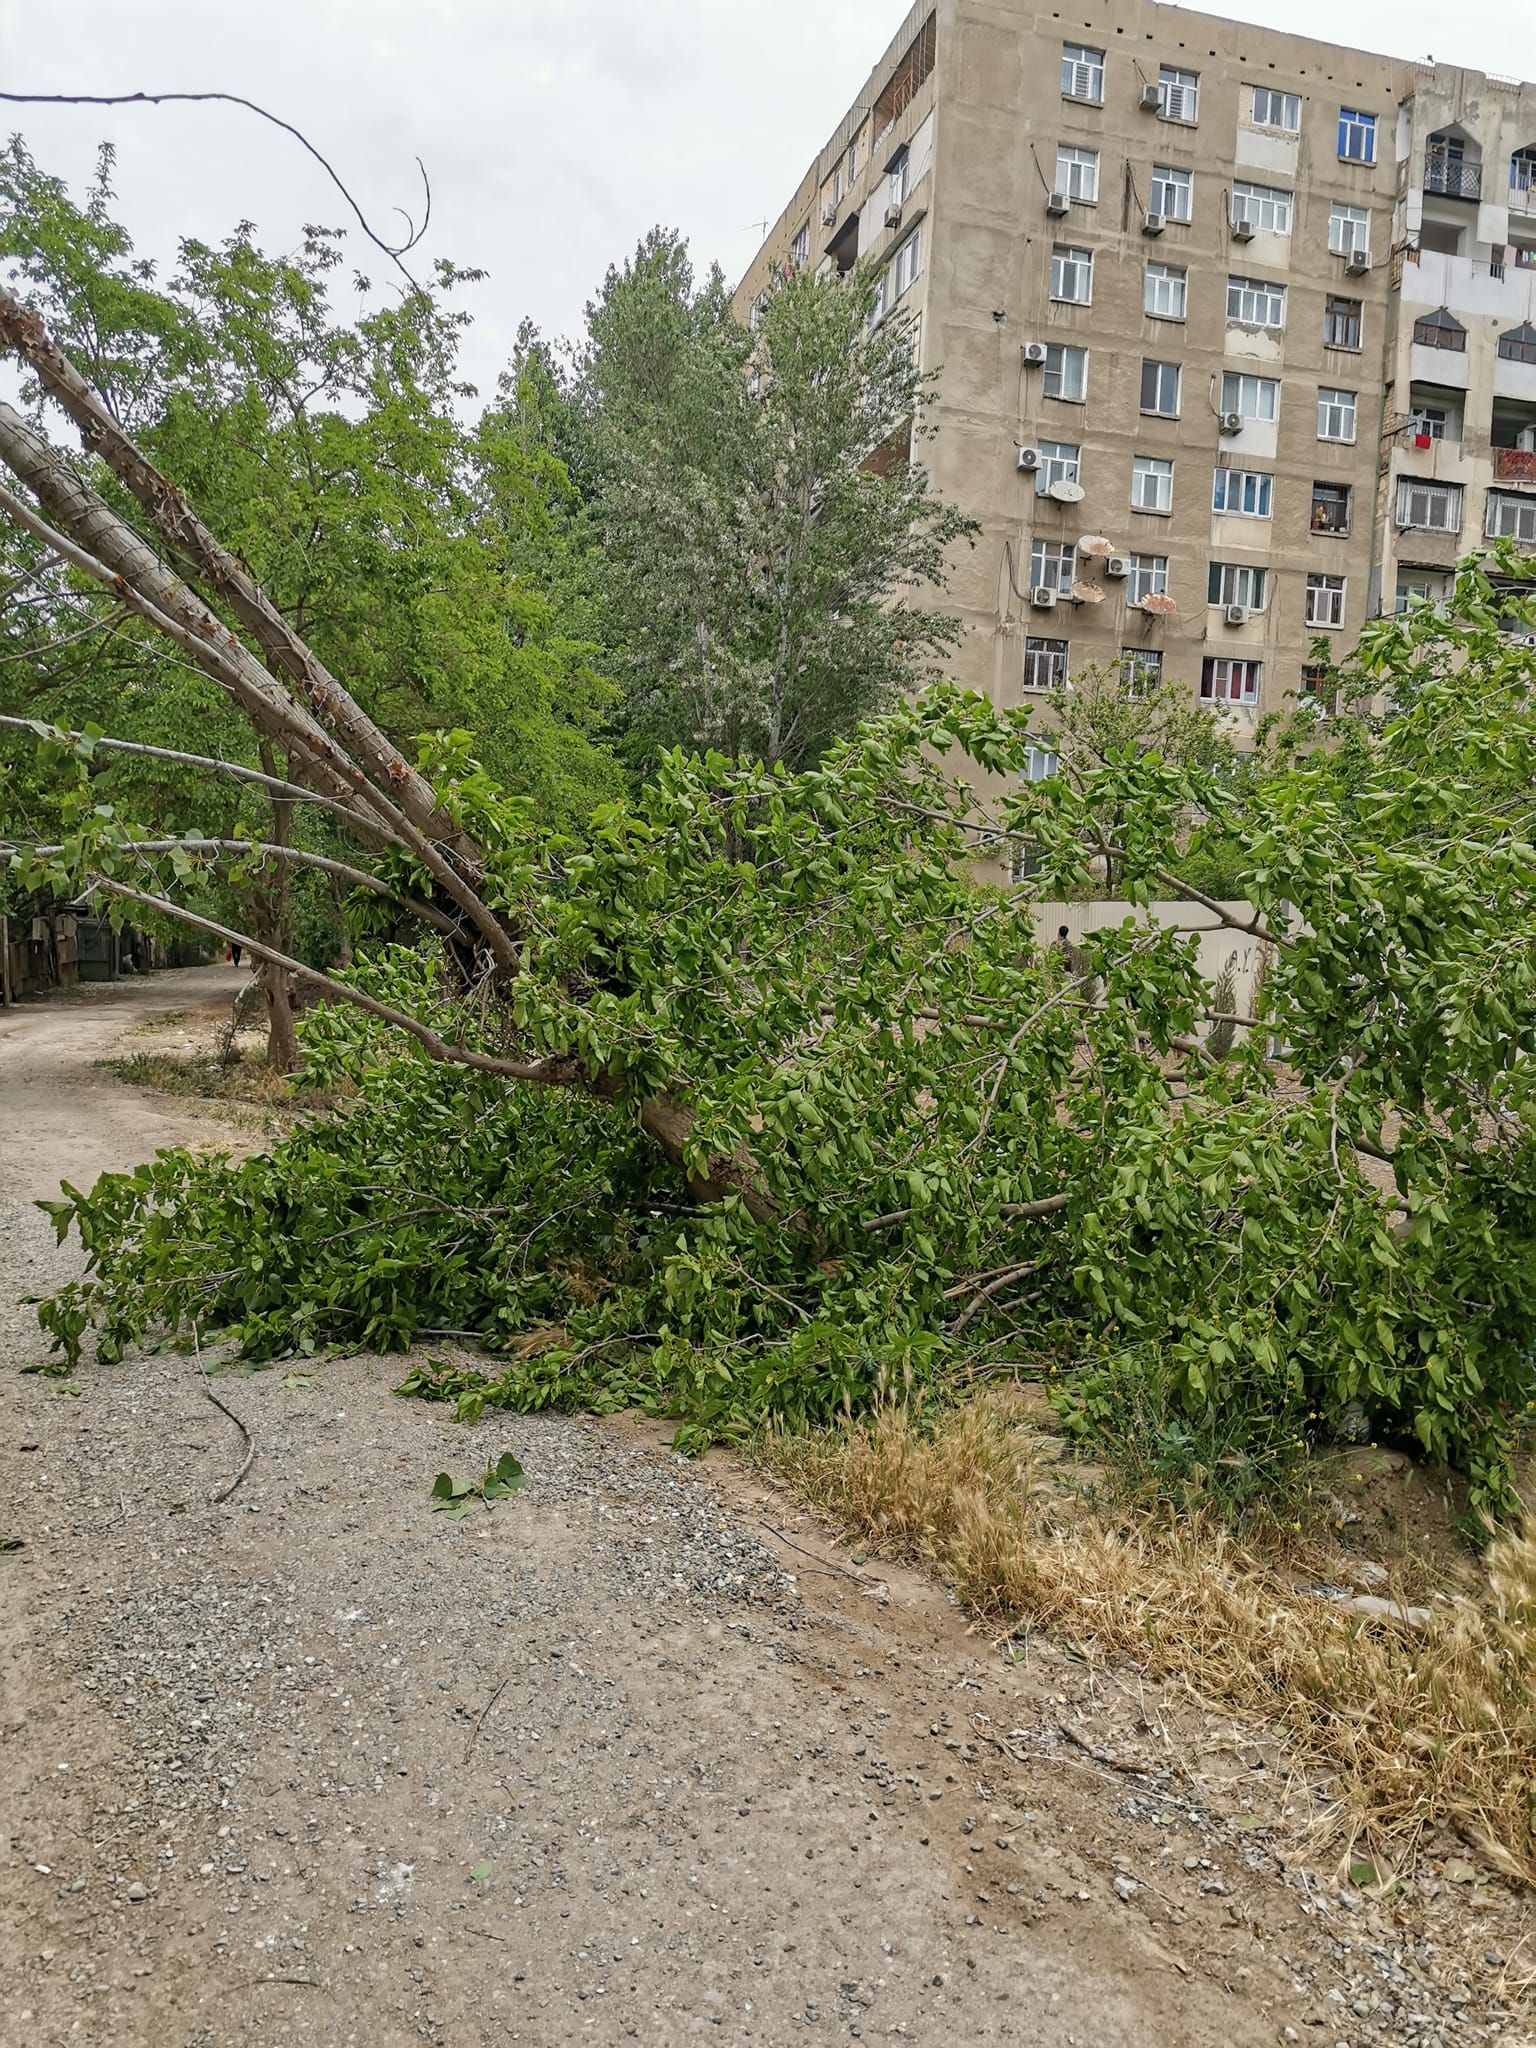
x,y
1066,494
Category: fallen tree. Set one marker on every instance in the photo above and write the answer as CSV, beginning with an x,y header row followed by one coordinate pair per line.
x,y
749,1101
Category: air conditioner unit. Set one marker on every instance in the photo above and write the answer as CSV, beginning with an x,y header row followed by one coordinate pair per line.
x,y
1151,99
1242,230
1034,354
828,214
1066,493
1152,223
1029,458
1237,615
1231,423
1358,263
1057,203
893,216
1118,566
1043,597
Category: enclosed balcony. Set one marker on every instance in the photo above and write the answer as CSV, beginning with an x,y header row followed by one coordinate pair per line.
x,y
1453,165
1514,441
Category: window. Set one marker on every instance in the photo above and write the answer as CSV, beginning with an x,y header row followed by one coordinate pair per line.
x,y
853,163
1335,415
1247,493
1251,398
1522,170
1272,109
1045,663
1072,275
1357,136
800,247
759,308
1151,484
1349,230
1266,207
898,179
1429,422
1341,321
1066,372
1059,464
1178,93
1330,508
908,263
1141,670
877,302
1052,565
1148,577
1428,507
1413,590
1440,330
1317,685
1225,681
1510,517
1173,192
1519,345
1255,302
1082,73
837,182
1237,583
1077,173
1160,389
1325,601
1167,292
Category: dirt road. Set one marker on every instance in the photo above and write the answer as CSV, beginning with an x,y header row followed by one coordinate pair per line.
x,y
641,1754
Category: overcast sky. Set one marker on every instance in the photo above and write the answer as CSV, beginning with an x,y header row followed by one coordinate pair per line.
x,y
555,131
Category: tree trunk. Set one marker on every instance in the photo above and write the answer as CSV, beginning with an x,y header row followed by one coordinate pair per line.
x,y
273,919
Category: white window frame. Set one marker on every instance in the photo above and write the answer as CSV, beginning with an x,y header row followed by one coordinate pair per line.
x,y
1165,294
1419,502
1272,108
1244,583
1251,397
1077,173
1218,674
1151,483
1043,651
1266,208
898,179
1326,596
1243,493
1431,421
800,247
1082,67
1331,302
1521,526
1165,372
1061,462
1178,93
1338,414
1349,229
1256,302
1355,124
1141,670
907,265
1173,192
1071,265
1052,565
1069,367
1146,577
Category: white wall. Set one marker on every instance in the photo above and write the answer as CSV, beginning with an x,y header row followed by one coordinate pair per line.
x,y
1218,943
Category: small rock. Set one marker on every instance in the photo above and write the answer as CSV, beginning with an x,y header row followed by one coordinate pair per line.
x,y
136,1892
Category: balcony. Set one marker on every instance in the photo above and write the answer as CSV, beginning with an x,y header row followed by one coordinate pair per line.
x,y
1514,465
1451,174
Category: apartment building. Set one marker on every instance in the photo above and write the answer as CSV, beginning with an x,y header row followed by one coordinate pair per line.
x,y
1237,330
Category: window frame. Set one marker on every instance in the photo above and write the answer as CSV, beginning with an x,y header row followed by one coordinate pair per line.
x,y
1064,349
1052,564
1346,498
1161,372
1353,122
1321,583
1260,296
1159,469
1523,339
1271,93
1331,399
1339,312
1147,576
1174,277
800,247
1256,483
1070,257
1251,202
1174,79
1141,670
1357,219
1082,60
1440,329
1509,501
898,178
1083,159
1433,491
1063,465
1045,649
1225,667
1175,180
914,242
1225,583
1239,378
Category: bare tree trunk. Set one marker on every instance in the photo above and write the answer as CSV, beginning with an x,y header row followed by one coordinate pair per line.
x,y
270,913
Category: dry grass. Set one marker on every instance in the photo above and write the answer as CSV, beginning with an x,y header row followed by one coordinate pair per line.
x,y
1420,1729
203,1077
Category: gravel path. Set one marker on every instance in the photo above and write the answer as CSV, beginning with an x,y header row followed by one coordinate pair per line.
x,y
640,1754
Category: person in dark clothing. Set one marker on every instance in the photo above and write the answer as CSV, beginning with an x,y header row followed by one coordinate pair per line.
x,y
234,954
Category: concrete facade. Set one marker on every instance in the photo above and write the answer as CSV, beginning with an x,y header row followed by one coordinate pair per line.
x,y
1244,233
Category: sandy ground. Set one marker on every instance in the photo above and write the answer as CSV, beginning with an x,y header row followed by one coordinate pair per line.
x,y
640,1754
